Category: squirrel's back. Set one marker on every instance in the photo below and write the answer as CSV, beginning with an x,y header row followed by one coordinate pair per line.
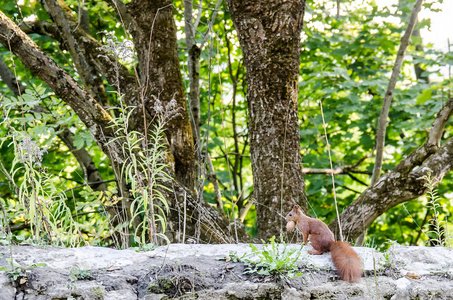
x,y
321,237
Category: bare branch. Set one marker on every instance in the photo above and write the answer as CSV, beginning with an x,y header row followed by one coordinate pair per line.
x,y
337,171
340,170
213,17
380,139
122,13
95,53
356,179
8,77
93,83
200,12
193,65
441,120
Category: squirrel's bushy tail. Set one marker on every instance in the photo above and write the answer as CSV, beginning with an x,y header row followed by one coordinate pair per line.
x,y
346,261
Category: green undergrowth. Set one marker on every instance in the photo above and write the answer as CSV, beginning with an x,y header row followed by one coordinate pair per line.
x,y
273,259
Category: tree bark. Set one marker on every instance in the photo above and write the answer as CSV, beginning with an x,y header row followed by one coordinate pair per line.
x,y
193,65
269,34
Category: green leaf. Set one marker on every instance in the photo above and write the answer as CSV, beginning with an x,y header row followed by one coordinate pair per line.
x,y
424,96
78,142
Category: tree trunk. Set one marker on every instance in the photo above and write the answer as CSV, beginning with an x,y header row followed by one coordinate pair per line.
x,y
193,66
269,34
154,36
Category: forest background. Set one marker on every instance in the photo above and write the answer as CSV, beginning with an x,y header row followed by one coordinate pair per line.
x,y
50,196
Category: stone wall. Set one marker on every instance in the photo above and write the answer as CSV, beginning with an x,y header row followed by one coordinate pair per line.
x,y
186,271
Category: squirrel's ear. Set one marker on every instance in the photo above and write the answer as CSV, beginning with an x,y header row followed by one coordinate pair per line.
x,y
296,208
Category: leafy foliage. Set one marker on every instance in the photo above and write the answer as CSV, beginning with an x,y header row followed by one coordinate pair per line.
x,y
16,272
40,203
438,233
142,172
345,63
79,274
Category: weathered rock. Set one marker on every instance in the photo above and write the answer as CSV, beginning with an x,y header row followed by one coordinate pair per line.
x,y
197,271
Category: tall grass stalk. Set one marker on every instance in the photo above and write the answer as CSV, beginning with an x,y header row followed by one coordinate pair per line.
x,y
41,204
144,170
438,225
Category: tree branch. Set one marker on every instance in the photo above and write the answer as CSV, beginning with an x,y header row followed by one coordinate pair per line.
x,y
97,120
441,120
356,179
96,54
193,65
404,182
213,17
340,170
94,178
337,171
380,139
87,73
122,13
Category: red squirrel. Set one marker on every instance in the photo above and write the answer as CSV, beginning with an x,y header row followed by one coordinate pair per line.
x,y
322,239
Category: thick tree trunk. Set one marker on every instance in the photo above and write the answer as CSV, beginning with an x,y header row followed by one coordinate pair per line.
x,y
269,33
154,36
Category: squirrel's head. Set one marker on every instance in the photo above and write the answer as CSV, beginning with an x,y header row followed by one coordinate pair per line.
x,y
294,214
